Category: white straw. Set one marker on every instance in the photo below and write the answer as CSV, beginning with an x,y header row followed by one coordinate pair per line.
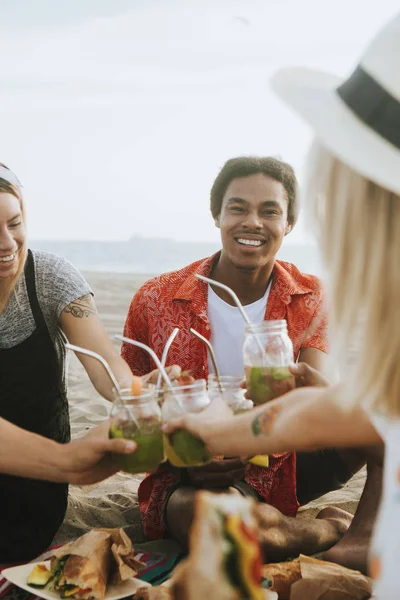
x,y
165,353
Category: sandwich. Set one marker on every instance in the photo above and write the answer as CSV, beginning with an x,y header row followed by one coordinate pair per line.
x,y
80,569
281,576
225,556
83,568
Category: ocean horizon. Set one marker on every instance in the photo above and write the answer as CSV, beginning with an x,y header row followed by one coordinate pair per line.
x,y
151,256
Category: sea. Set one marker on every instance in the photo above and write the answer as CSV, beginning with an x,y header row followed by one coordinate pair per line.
x,y
152,256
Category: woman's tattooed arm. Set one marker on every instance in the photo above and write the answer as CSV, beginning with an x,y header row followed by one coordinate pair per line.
x,y
264,422
82,307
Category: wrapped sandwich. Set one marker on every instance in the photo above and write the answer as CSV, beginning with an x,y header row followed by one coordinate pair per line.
x,y
281,576
225,557
83,568
80,569
307,577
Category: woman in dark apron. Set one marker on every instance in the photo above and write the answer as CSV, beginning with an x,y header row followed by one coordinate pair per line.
x,y
32,397
32,389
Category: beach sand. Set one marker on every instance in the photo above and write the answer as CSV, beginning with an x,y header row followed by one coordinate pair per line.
x,y
114,503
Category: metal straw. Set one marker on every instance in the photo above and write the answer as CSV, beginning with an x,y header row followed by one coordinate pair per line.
x,y
107,367
212,356
238,304
230,292
165,353
154,356
105,364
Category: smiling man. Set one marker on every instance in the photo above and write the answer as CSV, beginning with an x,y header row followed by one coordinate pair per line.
x,y
254,204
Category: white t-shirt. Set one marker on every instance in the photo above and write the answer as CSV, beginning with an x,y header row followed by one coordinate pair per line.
x,y
228,331
385,547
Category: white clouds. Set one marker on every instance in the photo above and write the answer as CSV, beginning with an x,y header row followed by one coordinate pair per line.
x,y
133,115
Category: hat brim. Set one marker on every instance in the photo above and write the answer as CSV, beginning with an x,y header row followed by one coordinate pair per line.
x,y
312,94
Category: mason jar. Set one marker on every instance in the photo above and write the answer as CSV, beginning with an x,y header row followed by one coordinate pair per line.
x,y
232,392
267,354
138,418
234,395
181,447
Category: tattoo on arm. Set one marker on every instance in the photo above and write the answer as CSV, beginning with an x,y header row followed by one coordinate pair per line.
x,y
82,307
264,422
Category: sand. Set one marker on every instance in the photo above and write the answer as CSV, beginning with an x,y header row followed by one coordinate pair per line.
x,y
114,503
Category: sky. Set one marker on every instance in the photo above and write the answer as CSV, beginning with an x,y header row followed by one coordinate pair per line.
x,y
117,115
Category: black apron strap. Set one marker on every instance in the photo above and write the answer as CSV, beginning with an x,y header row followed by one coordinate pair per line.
x,y
31,287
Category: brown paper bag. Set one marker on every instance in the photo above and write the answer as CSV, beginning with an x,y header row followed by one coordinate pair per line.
x,y
123,562
327,581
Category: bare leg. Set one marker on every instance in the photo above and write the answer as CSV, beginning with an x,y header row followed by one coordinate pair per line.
x,y
352,550
280,537
180,513
286,537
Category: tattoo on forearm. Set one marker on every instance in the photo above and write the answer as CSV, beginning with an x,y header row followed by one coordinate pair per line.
x,y
265,421
82,307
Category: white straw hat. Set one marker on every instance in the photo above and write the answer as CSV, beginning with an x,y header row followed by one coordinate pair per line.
x,y
358,119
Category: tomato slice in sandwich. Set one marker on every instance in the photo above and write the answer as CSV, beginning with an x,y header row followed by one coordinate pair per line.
x,y
248,555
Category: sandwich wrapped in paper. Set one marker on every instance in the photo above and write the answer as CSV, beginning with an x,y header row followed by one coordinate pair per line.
x,y
83,568
225,557
307,577
281,576
80,569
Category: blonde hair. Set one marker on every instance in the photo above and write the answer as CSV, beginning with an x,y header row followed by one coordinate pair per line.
x,y
358,225
8,286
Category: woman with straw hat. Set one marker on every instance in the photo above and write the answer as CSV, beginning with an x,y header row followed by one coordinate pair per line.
x,y
353,194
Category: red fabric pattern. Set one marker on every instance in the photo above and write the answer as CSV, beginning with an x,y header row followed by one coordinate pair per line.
x,y
178,299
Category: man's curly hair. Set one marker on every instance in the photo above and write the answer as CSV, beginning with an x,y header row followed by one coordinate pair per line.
x,y
243,166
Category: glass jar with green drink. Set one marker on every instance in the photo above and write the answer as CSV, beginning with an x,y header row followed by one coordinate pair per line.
x,y
232,392
234,395
138,418
182,448
267,354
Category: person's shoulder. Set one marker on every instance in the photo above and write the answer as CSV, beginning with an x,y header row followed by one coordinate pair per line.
x,y
168,283
41,258
54,275
50,262
304,282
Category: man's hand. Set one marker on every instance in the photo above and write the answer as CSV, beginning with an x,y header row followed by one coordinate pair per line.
x,y
306,376
219,474
90,459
